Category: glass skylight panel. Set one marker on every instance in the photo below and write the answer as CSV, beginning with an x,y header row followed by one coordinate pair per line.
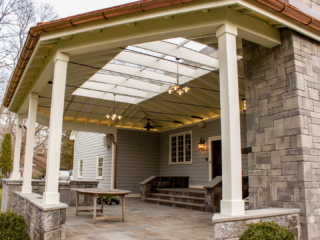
x,y
176,41
195,46
144,51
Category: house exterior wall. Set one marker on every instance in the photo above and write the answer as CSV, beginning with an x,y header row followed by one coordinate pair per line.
x,y
88,146
198,171
137,158
283,122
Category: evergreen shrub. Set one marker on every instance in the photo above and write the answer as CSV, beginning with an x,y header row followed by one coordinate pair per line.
x,y
13,227
266,231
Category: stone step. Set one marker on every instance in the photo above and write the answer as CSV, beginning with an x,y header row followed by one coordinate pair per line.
x,y
182,192
193,206
177,196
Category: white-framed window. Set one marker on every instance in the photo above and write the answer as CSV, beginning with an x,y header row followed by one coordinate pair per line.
x,y
100,167
80,168
180,148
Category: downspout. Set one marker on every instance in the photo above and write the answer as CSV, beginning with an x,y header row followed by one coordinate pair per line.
x,y
114,173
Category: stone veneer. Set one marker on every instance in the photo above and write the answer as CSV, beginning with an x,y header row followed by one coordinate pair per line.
x,y
45,222
231,228
283,127
38,186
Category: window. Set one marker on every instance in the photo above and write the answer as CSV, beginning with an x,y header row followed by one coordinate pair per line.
x,y
100,167
180,148
80,167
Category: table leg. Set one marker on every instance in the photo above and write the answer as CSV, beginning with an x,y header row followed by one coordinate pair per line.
x,y
94,208
101,204
123,207
77,203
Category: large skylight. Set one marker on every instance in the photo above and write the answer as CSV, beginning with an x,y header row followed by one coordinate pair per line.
x,y
145,70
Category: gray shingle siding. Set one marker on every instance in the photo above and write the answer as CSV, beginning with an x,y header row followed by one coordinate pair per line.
x,y
137,158
141,154
88,146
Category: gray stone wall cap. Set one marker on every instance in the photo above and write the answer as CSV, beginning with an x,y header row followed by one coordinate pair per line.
x,y
213,182
11,181
84,181
153,177
36,199
257,213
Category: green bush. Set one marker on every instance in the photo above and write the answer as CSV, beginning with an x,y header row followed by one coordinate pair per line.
x,y
13,227
266,231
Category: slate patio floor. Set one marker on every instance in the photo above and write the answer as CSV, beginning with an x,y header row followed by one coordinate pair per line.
x,y
143,221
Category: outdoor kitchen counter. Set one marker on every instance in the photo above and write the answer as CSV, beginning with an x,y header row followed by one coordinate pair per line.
x,y
100,192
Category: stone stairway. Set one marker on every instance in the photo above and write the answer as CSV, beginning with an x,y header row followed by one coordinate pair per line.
x,y
188,198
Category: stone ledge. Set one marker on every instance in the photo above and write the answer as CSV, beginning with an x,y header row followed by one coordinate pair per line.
x,y
257,213
36,199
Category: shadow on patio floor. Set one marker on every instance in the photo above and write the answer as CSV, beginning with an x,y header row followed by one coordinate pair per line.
x,y
143,221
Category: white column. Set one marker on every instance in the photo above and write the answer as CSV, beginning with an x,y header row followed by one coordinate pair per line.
x,y
231,203
28,158
17,149
51,194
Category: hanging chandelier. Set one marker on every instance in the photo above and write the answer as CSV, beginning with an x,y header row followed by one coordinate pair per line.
x,y
114,115
177,87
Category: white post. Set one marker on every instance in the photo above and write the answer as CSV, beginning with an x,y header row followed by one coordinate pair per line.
x,y
17,149
231,203
28,158
51,194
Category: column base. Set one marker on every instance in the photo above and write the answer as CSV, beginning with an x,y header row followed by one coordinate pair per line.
x,y
51,198
232,207
15,176
26,189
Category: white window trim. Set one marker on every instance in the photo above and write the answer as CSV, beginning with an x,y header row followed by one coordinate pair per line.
x,y
80,176
170,149
97,165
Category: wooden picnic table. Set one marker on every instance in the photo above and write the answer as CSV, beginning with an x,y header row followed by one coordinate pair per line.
x,y
100,192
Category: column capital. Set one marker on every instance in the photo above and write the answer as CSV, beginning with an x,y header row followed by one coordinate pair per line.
x,y
61,56
34,96
227,28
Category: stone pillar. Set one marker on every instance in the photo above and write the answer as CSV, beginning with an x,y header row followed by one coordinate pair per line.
x,y
28,159
15,175
232,203
51,194
283,127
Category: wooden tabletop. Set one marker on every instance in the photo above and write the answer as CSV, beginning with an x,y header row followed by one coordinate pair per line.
x,y
104,191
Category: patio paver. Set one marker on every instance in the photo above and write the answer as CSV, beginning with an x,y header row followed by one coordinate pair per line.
x,y
143,221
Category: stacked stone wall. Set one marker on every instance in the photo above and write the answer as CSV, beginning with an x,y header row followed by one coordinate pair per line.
x,y
283,127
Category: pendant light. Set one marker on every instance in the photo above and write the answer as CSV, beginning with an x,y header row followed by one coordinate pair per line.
x,y
177,87
114,115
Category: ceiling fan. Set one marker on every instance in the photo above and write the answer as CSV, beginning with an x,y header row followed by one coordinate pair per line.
x,y
148,126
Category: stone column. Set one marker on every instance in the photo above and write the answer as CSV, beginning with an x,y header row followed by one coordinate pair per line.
x,y
232,203
17,149
28,159
51,194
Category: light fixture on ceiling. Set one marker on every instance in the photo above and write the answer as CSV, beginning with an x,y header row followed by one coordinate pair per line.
x,y
177,87
114,115
148,126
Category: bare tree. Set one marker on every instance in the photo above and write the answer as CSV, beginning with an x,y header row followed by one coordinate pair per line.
x,y
16,18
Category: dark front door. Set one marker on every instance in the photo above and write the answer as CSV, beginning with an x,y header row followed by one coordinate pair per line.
x,y
216,158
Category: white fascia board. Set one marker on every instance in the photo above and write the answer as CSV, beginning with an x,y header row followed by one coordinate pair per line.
x,y
281,18
86,127
122,81
184,53
154,62
137,17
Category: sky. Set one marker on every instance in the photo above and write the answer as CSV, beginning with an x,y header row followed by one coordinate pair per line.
x,y
67,8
